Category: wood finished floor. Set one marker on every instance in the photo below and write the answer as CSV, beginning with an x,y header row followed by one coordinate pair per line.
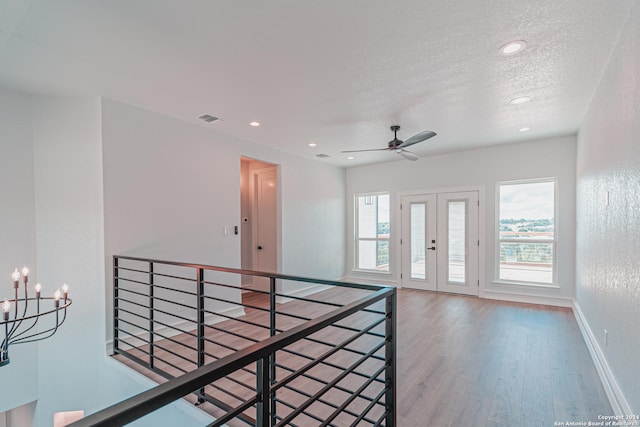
x,y
464,361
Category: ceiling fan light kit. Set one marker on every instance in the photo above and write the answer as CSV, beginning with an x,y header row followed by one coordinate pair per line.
x,y
399,146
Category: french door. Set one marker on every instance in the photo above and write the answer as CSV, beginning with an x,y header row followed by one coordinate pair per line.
x,y
440,245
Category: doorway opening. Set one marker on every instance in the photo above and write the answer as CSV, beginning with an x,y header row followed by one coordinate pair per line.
x,y
260,223
440,242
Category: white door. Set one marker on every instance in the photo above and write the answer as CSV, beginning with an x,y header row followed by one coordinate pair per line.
x,y
458,244
265,240
440,242
418,241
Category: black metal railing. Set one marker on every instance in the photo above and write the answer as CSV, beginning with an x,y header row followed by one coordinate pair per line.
x,y
269,357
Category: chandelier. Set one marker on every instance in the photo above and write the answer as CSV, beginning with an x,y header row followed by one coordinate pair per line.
x,y
22,313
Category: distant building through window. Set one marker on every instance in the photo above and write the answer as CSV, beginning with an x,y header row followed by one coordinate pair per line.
x,y
526,231
372,222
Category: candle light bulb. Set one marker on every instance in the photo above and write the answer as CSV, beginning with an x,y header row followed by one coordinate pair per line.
x,y
38,287
25,271
6,306
65,288
15,275
56,294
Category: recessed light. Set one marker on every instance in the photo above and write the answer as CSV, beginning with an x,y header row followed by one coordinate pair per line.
x,y
312,144
255,124
513,47
350,158
524,129
520,100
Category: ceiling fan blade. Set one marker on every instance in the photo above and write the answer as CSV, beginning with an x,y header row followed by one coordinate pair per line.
x,y
422,136
408,155
359,151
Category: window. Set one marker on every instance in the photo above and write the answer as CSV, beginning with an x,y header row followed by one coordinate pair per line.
x,y
526,231
372,232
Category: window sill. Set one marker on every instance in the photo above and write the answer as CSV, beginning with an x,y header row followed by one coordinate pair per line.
x,y
376,272
526,284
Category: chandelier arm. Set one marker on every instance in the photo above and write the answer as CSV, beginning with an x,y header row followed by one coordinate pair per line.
x,y
31,338
35,322
15,326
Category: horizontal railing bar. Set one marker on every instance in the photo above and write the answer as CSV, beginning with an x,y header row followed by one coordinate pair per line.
x,y
227,332
236,319
295,316
352,350
346,328
316,379
233,414
164,337
324,362
146,307
381,419
327,354
158,346
171,276
326,402
227,392
278,417
333,304
351,398
328,387
146,402
146,296
220,344
118,268
289,405
224,406
130,334
363,414
259,274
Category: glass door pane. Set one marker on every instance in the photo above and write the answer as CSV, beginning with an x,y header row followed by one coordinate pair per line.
x,y
456,241
418,240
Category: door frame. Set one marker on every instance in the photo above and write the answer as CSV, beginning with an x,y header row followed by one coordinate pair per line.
x,y
254,175
484,243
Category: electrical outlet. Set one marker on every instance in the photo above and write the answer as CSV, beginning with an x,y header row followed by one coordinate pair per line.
x,y
606,337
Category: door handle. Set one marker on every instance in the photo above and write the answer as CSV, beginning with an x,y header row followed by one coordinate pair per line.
x,y
259,248
432,248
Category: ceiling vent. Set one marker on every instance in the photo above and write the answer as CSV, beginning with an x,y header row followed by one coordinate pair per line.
x,y
322,155
208,118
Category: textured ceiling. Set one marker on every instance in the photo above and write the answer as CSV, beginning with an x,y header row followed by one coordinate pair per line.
x,y
337,73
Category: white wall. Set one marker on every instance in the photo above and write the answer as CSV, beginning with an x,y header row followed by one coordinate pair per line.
x,y
75,373
481,168
608,248
171,187
17,236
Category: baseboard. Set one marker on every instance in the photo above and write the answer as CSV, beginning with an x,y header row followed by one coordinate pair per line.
x,y
527,298
618,402
301,293
359,280
209,319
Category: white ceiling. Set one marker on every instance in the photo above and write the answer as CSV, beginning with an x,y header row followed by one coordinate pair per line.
x,y
334,72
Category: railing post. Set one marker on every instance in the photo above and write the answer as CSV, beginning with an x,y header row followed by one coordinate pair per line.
x,y
272,357
390,359
151,310
200,317
263,389
115,304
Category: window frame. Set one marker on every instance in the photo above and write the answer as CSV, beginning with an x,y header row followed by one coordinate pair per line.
x,y
357,239
553,242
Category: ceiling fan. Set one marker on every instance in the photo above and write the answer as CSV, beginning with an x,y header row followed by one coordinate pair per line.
x,y
399,146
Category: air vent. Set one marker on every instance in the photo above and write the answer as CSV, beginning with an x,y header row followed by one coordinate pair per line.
x,y
208,118
322,155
